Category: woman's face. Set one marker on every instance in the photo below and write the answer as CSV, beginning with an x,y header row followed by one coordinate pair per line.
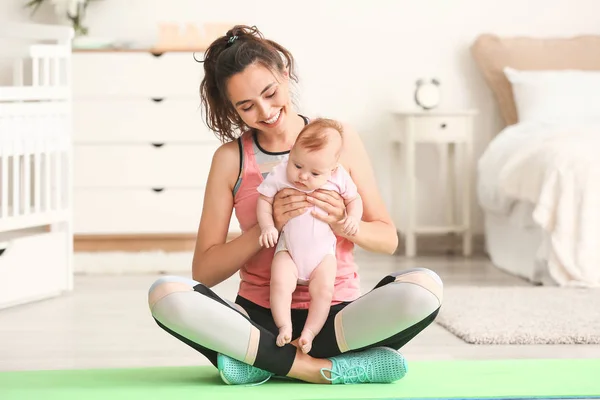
x,y
261,98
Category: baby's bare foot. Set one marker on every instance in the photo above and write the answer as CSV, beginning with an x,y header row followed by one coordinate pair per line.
x,y
285,335
305,341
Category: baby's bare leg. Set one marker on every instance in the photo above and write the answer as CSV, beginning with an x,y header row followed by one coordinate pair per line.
x,y
284,276
320,287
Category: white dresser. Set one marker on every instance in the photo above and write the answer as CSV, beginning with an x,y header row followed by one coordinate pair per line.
x,y
142,152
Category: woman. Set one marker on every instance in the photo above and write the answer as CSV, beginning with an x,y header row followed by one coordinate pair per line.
x,y
246,96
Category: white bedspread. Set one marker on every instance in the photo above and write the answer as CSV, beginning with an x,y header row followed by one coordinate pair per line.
x,y
556,168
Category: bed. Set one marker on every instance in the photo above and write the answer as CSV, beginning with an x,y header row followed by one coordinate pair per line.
x,y
538,180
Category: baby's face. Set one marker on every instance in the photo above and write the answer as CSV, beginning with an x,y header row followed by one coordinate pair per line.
x,y
311,170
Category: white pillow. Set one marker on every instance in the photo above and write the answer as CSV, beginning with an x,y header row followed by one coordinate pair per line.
x,y
555,95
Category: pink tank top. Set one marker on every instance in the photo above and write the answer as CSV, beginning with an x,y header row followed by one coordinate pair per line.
x,y
256,273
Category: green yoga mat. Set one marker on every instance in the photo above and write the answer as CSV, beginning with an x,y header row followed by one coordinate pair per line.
x,y
425,379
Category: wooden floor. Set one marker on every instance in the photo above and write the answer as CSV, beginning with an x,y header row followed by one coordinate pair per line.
x,y
105,322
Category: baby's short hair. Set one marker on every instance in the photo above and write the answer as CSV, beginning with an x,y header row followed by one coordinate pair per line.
x,y
315,136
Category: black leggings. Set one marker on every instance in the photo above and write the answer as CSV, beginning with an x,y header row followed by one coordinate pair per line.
x,y
399,307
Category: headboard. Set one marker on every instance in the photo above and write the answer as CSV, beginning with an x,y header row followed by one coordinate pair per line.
x,y
492,53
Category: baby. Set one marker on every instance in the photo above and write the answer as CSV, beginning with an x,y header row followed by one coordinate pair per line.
x,y
306,249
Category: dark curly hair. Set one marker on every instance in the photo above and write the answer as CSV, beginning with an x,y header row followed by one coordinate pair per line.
x,y
226,56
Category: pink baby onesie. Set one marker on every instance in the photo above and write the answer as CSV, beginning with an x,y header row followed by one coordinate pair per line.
x,y
307,239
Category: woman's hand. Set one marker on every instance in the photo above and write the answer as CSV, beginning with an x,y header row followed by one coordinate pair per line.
x,y
287,204
333,204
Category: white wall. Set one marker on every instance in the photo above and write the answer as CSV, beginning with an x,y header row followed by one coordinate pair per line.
x,y
358,60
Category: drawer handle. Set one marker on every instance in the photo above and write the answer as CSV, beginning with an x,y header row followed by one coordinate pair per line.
x,y
443,125
157,99
3,247
157,53
157,145
158,190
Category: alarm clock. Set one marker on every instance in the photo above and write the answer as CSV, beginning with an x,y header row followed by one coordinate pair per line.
x,y
427,93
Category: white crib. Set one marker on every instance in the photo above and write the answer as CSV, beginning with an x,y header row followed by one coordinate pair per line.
x,y
36,233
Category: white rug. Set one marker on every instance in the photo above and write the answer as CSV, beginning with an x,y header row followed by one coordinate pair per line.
x,y
522,315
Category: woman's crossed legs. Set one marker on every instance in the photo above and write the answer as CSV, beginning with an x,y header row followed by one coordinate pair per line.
x,y
399,307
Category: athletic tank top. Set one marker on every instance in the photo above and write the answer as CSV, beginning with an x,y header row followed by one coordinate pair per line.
x,y
255,274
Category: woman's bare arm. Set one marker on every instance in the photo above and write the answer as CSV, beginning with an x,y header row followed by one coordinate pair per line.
x,y
215,259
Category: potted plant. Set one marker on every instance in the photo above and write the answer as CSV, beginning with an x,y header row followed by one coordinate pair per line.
x,y
73,10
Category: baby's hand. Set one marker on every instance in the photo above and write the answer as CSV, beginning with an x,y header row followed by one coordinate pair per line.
x,y
268,236
350,224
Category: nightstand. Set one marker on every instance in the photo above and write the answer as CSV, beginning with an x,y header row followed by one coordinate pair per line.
x,y
449,129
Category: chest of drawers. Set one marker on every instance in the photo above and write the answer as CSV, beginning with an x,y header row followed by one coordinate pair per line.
x,y
142,152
